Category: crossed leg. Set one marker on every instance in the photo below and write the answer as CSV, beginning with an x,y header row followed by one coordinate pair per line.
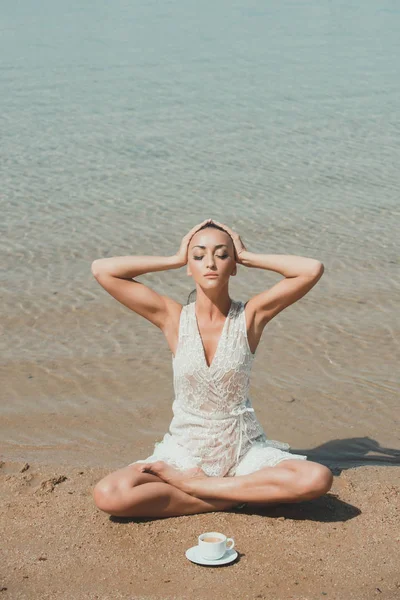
x,y
130,493
134,491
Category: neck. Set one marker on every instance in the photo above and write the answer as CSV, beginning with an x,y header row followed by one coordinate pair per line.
x,y
213,306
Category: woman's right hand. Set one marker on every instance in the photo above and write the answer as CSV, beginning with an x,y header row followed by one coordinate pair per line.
x,y
182,253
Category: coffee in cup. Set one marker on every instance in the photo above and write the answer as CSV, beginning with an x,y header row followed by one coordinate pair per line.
x,y
213,545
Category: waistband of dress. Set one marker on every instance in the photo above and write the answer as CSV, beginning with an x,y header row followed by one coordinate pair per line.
x,y
238,411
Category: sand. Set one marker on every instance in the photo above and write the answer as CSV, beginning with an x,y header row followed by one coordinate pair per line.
x,y
57,544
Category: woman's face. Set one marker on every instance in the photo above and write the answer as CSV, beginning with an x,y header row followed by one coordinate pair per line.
x,y
211,251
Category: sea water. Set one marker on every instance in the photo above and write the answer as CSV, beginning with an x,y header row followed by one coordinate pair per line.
x,y
122,126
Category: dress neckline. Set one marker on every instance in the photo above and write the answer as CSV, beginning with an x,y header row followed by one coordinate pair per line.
x,y
209,367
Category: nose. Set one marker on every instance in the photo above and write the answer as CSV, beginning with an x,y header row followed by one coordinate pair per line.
x,y
210,262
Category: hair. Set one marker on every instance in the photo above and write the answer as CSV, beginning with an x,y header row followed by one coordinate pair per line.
x,y
214,226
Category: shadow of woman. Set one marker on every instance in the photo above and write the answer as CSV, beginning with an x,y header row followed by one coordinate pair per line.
x,y
325,509
340,455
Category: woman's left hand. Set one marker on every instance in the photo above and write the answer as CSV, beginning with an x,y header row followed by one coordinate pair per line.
x,y
237,242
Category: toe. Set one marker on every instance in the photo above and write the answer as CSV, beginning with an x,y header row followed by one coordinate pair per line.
x,y
158,465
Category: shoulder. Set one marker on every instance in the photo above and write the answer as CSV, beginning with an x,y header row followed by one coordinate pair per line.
x,y
244,313
248,311
254,326
173,310
171,322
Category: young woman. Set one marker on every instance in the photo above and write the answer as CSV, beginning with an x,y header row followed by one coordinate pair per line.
x,y
216,455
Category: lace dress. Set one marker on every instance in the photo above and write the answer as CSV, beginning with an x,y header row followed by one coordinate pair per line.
x,y
214,425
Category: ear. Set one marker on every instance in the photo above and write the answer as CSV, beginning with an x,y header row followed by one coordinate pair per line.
x,y
188,271
234,271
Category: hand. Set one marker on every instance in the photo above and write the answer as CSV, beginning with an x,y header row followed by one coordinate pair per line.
x,y
239,247
182,253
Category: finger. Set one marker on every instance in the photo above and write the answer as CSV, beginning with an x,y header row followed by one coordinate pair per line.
x,y
203,223
196,227
221,224
227,229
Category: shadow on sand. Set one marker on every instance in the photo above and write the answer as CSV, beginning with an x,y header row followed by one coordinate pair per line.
x,y
338,455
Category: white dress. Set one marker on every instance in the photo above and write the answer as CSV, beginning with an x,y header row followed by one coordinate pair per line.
x,y
214,425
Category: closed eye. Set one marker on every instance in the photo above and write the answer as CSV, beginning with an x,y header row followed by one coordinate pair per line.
x,y
218,256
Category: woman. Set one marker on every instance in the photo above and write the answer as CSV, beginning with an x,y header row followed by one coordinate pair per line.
x,y
216,455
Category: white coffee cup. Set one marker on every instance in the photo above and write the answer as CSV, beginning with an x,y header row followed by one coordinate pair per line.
x,y
213,545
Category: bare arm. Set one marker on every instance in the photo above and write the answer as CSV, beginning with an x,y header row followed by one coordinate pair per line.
x,y
301,274
286,264
128,267
116,275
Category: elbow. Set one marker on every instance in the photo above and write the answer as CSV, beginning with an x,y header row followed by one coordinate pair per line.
x,y
318,270
95,268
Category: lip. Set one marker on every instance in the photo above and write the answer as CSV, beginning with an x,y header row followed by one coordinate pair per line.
x,y
211,275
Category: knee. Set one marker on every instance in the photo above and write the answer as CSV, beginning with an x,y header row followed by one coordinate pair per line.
x,y
318,482
104,496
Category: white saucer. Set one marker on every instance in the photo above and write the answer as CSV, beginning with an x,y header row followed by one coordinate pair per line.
x,y
194,555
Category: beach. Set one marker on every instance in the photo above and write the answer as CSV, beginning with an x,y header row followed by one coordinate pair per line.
x,y
123,126
343,545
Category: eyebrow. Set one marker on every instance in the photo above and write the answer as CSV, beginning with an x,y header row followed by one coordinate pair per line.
x,y
215,247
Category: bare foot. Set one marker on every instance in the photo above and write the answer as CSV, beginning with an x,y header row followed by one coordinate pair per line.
x,y
169,474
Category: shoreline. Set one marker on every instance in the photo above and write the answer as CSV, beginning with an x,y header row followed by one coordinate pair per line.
x,y
59,545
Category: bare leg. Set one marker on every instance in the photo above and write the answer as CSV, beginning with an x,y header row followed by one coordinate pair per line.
x,y
290,481
131,493
164,500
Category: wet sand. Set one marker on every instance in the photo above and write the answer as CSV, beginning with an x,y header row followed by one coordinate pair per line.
x,y
56,544
93,385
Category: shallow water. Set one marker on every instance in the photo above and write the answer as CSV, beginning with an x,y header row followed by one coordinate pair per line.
x,y
123,126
